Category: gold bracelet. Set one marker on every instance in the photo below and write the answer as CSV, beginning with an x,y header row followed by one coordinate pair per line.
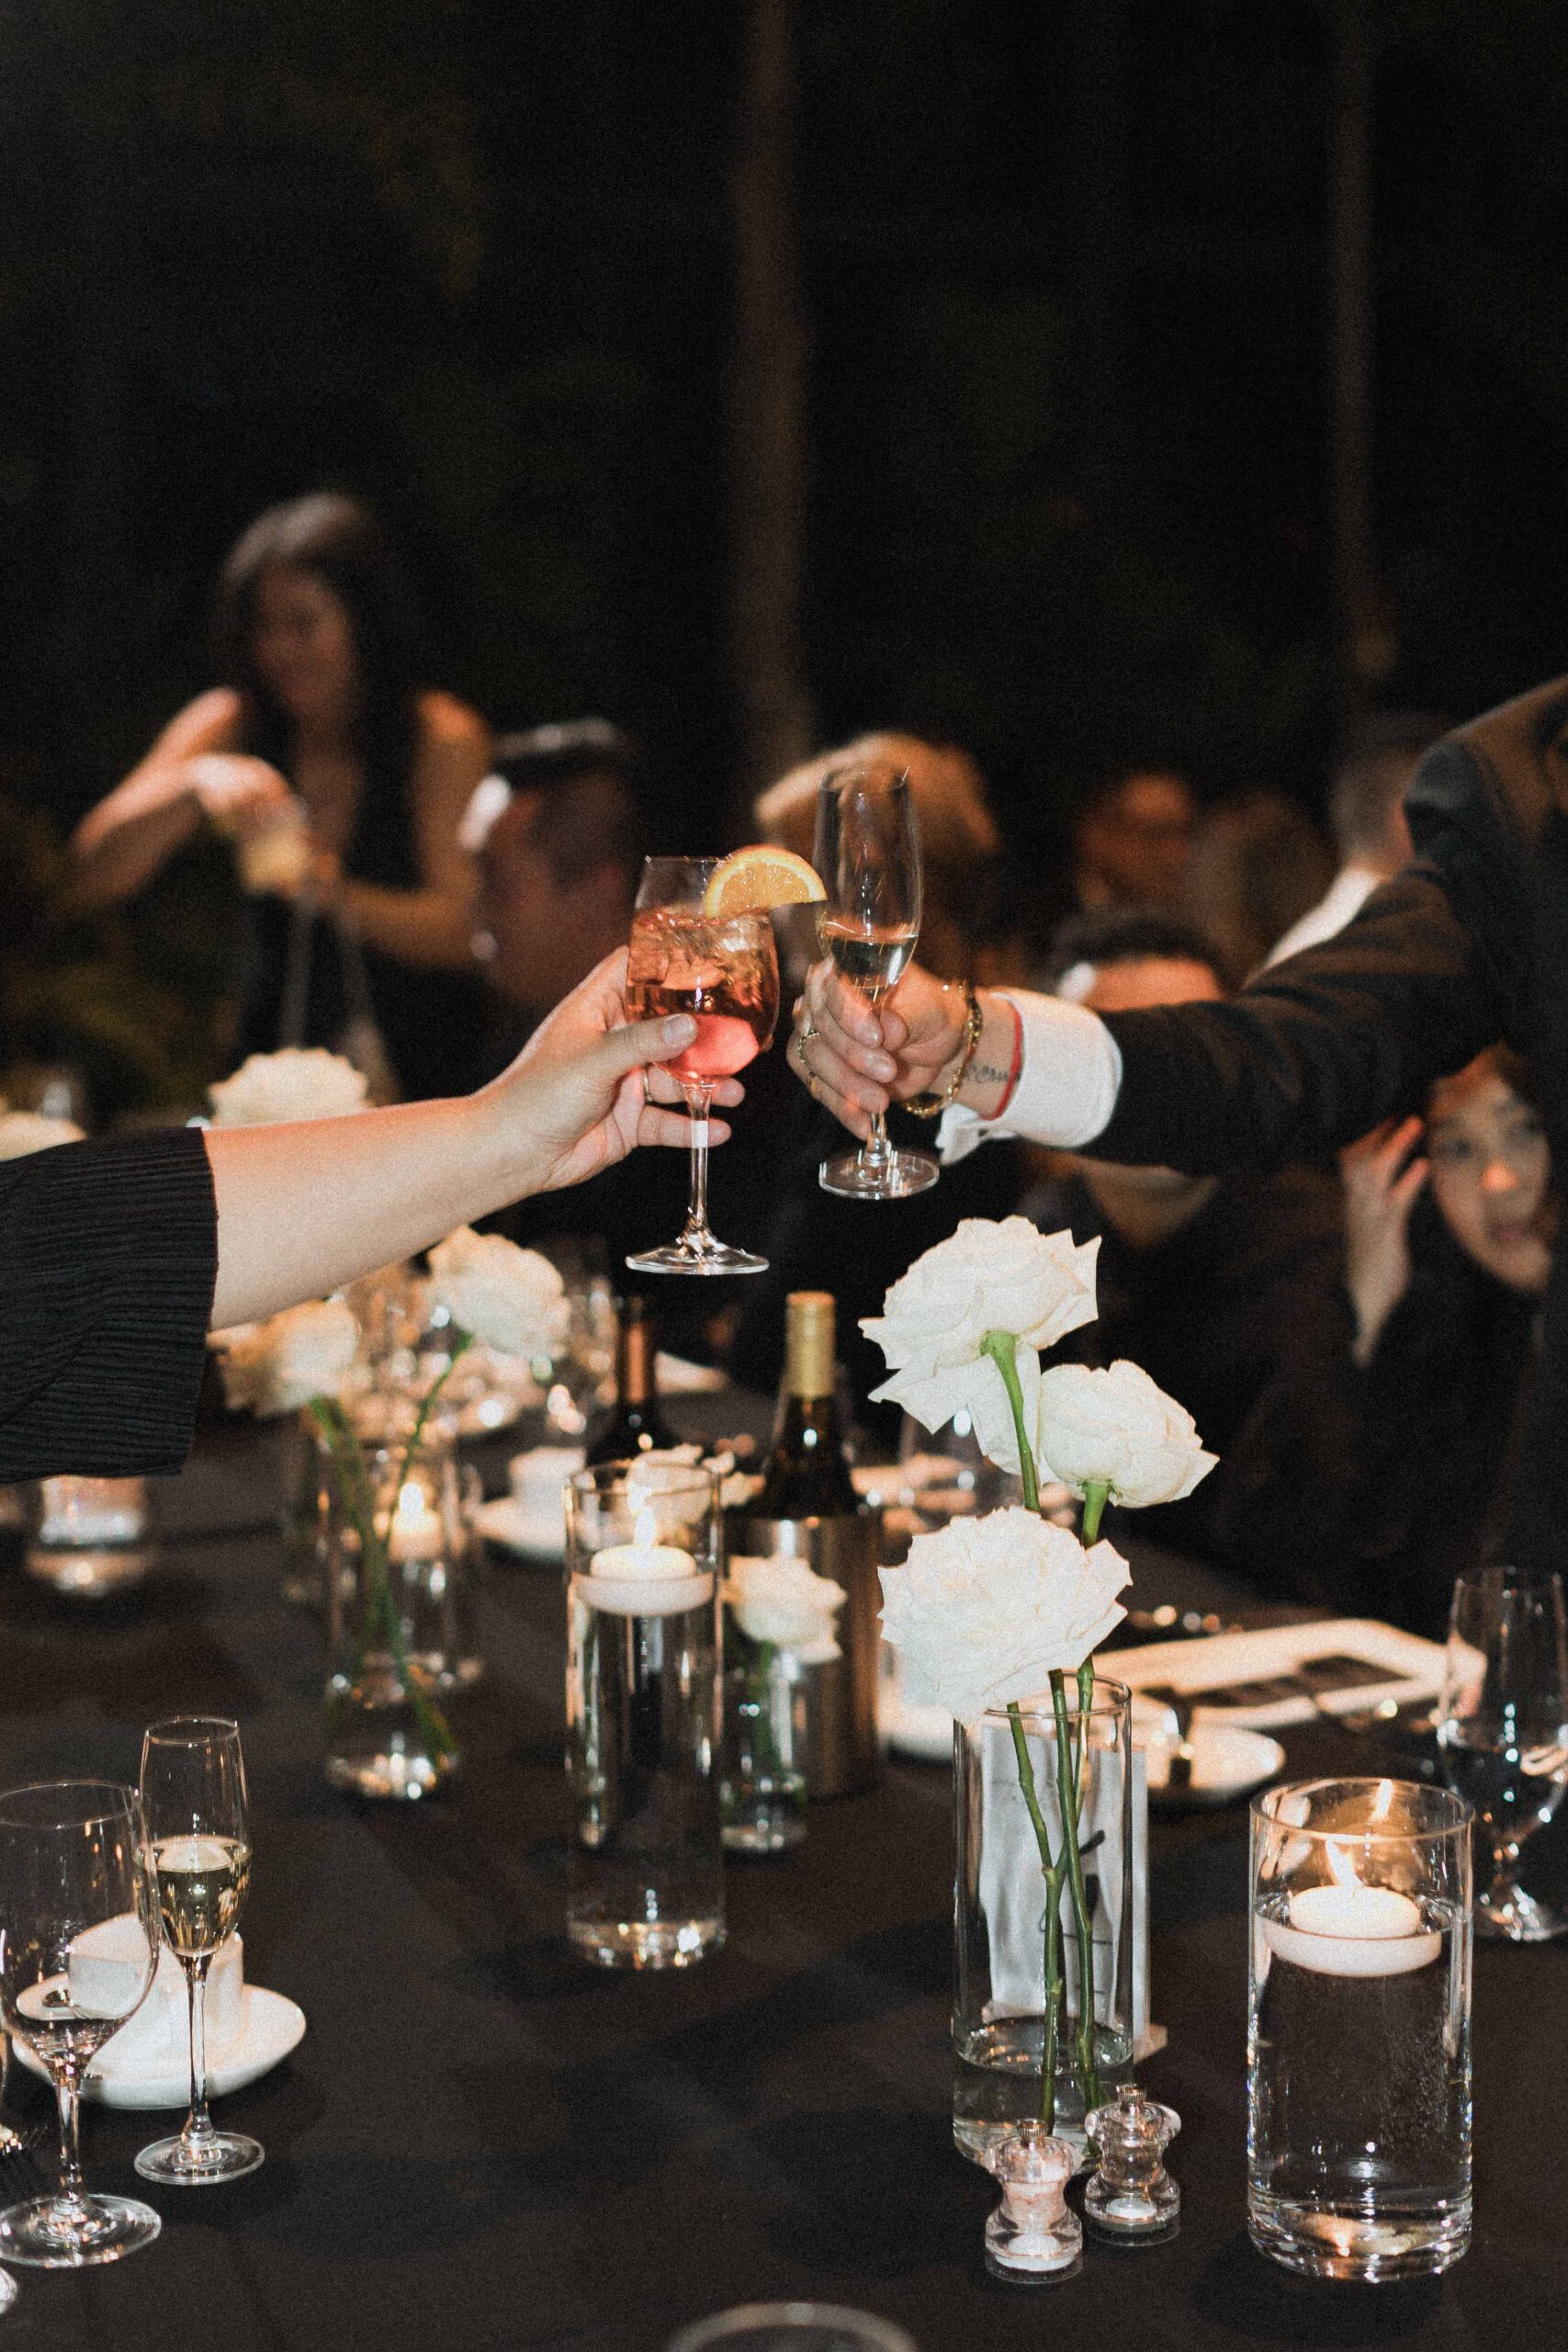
x,y
932,1106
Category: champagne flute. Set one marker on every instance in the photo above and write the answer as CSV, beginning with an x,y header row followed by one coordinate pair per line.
x,y
724,971
78,1949
1503,1732
193,1794
868,853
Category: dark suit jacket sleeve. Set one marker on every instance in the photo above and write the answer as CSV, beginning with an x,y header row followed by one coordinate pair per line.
x,y
109,1254
1321,1047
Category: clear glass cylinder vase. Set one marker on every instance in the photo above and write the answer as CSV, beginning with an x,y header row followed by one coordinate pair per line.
x,y
643,1684
1358,2055
1007,1947
764,1791
397,1562
305,1522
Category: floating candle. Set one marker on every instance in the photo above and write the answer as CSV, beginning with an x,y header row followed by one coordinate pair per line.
x,y
1351,1929
644,1578
416,1532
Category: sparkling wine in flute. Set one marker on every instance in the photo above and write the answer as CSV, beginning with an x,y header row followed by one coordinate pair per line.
x,y
201,1886
873,956
723,970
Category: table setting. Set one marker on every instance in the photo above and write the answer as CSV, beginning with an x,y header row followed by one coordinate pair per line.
x,y
861,1894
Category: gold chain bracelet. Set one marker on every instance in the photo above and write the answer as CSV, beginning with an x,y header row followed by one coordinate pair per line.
x,y
932,1106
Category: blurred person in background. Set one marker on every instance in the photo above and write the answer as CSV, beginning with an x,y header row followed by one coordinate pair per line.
x,y
1133,837
1257,865
1366,811
343,778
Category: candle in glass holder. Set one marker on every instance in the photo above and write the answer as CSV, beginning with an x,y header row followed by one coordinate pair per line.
x,y
1348,1929
644,1577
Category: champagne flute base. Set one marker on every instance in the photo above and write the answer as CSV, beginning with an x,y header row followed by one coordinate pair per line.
x,y
1507,1914
58,2233
707,1257
200,2161
896,1178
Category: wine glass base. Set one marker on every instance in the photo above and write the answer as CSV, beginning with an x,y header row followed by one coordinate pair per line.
x,y
689,1258
1513,1917
896,1178
48,2234
203,2162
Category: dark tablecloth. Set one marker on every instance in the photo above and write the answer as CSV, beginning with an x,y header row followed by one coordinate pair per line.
x,y
481,2143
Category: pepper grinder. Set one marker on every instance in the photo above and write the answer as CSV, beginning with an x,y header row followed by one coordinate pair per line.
x,y
1033,2237
1132,2197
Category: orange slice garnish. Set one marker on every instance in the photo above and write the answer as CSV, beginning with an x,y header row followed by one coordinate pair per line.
x,y
750,880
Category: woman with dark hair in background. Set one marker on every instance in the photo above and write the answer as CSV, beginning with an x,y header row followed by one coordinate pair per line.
x,y
359,936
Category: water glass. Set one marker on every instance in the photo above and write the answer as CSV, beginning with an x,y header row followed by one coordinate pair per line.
x,y
1503,1735
78,1946
644,1661
1359,2076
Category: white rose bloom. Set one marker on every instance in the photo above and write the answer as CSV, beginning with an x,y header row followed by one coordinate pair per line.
x,y
784,1601
1117,1426
299,1083
25,1132
986,1610
278,1366
985,1277
510,1299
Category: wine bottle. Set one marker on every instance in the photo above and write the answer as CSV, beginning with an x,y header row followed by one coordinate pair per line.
x,y
807,1510
634,1424
806,1475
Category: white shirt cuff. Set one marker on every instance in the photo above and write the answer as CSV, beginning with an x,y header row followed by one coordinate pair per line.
x,y
1067,1089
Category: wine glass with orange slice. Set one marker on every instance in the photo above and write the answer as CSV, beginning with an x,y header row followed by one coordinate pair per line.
x,y
702,943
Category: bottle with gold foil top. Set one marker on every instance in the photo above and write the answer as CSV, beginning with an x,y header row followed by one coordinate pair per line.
x,y
808,1512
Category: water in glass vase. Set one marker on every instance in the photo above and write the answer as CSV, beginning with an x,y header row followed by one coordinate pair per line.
x,y
1359,2104
996,2081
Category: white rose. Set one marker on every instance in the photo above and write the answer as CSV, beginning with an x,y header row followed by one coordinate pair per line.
x,y
783,1602
1116,1426
299,1083
279,1365
510,1299
985,1277
25,1132
986,1610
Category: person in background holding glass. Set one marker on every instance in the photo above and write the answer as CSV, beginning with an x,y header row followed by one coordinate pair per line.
x,y
344,780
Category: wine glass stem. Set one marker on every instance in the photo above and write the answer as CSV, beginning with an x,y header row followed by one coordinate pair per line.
x,y
699,1097
876,1151
72,2189
199,2123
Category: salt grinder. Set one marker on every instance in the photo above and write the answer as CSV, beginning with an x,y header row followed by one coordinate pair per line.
x,y
1132,2197
1033,2237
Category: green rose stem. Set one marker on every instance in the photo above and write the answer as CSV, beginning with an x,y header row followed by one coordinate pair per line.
x,y
1069,1788
354,1486
1051,1872
1002,1349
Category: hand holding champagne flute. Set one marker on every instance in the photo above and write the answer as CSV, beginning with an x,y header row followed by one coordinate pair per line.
x,y
193,1794
723,970
868,854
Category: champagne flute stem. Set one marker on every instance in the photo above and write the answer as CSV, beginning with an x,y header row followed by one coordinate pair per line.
x,y
199,2123
876,1151
699,1097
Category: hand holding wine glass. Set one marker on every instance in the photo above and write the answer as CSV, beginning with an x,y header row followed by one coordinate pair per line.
x,y
78,1949
723,970
868,854
193,1794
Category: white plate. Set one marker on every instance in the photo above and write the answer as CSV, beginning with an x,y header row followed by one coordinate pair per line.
x,y
1227,1763
1411,1669
506,1521
272,2026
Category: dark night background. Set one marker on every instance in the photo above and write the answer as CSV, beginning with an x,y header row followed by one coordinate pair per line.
x,y
1064,276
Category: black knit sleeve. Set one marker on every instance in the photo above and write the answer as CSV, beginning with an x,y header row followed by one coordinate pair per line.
x,y
108,1252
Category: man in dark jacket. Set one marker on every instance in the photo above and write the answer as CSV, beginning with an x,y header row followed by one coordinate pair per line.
x,y
1467,945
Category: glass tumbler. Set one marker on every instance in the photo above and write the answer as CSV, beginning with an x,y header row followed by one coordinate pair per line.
x,y
1358,2091
643,1680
